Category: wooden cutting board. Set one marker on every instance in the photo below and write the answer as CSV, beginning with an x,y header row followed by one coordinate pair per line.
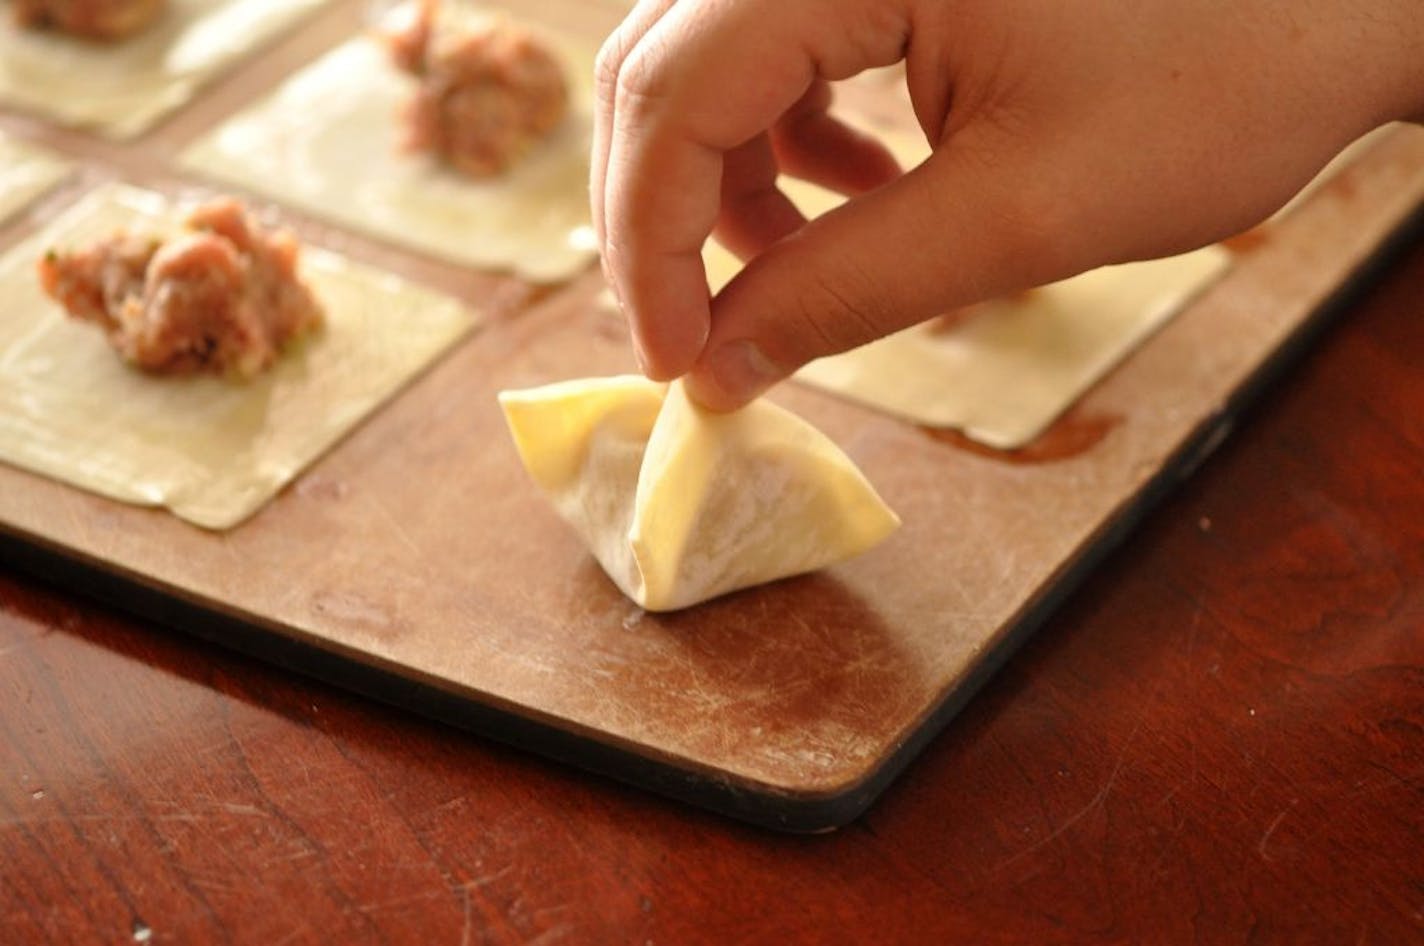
x,y
418,564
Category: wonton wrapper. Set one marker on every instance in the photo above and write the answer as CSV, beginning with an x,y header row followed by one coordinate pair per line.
x,y
121,88
25,173
211,450
1005,373
328,141
1347,156
679,504
1012,366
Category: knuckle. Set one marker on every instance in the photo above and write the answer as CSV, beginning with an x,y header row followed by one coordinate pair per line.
x,y
640,83
620,251
607,64
842,310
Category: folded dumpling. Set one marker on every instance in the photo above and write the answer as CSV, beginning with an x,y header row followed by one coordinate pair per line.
x,y
680,504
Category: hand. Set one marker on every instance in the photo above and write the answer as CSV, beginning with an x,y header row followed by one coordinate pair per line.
x,y
1066,136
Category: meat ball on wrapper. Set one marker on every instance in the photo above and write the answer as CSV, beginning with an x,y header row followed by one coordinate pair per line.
x,y
104,20
490,89
223,297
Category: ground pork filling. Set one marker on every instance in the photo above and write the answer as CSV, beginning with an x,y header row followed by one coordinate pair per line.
x,y
222,297
91,19
489,89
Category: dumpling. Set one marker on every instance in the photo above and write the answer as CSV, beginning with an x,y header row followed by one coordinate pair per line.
x,y
679,504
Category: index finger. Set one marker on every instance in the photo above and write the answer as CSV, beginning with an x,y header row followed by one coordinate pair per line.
x,y
606,67
702,81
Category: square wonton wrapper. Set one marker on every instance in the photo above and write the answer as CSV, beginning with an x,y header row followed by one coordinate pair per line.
x,y
1004,374
122,88
328,141
210,449
26,172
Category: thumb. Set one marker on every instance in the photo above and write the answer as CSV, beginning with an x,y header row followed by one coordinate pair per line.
x,y
965,225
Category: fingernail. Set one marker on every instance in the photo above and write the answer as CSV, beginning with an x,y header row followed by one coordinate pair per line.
x,y
741,371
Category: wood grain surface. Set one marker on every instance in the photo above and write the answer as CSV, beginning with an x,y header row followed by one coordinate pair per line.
x,y
417,549
1220,739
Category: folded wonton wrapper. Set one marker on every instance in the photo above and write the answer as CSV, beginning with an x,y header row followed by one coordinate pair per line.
x,y
679,504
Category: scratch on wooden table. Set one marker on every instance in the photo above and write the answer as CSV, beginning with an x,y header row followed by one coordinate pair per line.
x,y
552,934
402,901
292,935
1192,633
488,879
468,905
469,916
1270,830
1093,804
1167,798
448,805
374,502
1168,843
1192,630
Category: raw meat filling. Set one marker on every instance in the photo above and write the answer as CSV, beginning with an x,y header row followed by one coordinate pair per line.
x,y
90,19
489,89
223,297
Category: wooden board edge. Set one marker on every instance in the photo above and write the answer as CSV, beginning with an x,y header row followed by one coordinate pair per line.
x,y
755,804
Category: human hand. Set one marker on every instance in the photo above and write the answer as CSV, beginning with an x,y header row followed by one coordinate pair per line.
x,y
1066,136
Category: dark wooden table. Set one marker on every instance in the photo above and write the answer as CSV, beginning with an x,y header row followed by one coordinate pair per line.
x,y
1220,738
